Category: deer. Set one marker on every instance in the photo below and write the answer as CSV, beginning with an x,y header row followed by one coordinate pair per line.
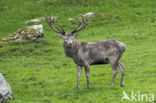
x,y
86,54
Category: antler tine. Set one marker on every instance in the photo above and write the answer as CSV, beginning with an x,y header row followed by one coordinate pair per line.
x,y
50,21
86,19
79,21
61,28
82,25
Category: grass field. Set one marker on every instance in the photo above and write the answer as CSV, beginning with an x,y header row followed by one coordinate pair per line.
x,y
39,72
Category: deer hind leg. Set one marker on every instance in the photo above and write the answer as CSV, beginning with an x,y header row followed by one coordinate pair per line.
x,y
122,69
115,71
79,70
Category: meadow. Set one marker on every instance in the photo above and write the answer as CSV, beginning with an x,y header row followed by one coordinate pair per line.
x,y
39,72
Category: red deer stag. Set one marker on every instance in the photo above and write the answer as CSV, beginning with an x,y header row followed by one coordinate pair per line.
x,y
86,53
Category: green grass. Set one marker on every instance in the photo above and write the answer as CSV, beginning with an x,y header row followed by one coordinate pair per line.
x,y
39,72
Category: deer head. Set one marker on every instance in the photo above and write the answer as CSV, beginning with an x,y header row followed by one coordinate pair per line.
x,y
68,38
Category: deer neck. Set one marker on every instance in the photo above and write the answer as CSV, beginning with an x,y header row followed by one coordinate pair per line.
x,y
71,51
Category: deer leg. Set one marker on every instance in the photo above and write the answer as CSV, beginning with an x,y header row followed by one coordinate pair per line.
x,y
79,69
86,66
115,71
122,69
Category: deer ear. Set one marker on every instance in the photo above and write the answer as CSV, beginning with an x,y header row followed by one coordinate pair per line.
x,y
61,36
75,34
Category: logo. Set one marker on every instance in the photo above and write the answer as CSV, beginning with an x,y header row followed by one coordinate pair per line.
x,y
138,96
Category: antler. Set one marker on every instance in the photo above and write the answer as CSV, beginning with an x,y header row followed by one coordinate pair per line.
x,y
50,21
82,25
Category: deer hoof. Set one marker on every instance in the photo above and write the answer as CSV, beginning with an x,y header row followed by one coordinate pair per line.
x,y
111,85
88,87
121,85
78,86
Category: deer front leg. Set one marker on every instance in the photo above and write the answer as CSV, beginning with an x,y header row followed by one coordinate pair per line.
x,y
79,69
86,66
